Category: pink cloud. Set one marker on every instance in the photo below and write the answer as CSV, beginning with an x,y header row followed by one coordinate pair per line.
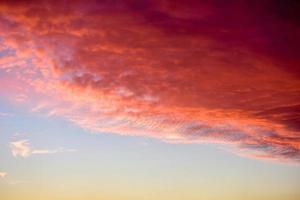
x,y
160,70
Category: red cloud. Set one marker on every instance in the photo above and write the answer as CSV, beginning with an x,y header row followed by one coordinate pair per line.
x,y
163,69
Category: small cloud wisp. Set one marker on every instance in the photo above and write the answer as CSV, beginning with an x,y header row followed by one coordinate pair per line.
x,y
3,174
23,149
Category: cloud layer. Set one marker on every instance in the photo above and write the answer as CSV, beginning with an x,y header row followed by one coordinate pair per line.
x,y
179,71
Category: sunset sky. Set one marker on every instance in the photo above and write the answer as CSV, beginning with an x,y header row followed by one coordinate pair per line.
x,y
150,100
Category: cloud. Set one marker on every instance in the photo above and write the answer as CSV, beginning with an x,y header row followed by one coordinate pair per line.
x,y
3,174
12,182
17,182
23,148
20,148
182,72
3,114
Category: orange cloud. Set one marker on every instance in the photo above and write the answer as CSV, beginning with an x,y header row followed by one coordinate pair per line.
x,y
161,69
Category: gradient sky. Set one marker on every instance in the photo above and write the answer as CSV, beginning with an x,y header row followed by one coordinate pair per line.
x,y
150,100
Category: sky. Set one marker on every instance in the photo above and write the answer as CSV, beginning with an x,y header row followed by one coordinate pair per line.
x,y
150,100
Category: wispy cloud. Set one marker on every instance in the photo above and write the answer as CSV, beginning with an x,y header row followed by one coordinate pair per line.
x,y
20,148
3,174
23,148
4,114
17,182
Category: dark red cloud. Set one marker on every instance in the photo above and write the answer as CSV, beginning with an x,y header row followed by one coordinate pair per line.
x,y
181,71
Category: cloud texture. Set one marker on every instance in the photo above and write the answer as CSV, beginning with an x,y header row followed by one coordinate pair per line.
x,y
180,71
